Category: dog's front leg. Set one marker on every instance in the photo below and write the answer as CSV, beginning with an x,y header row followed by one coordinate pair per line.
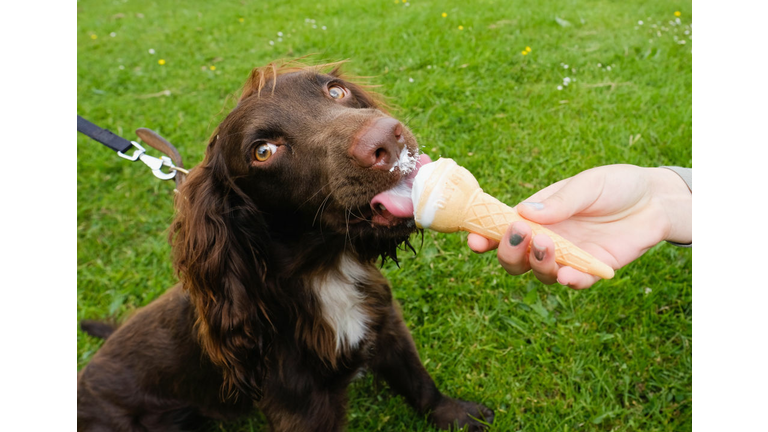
x,y
297,401
397,362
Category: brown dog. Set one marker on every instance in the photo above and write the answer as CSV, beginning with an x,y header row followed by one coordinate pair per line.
x,y
280,303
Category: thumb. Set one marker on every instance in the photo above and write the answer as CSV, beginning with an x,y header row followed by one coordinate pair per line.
x,y
575,195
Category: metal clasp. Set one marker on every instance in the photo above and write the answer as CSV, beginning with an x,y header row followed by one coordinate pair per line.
x,y
152,162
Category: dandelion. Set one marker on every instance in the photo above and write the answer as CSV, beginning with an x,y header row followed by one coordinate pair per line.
x,y
445,14
524,52
212,67
528,49
161,62
241,19
93,36
151,51
677,13
461,27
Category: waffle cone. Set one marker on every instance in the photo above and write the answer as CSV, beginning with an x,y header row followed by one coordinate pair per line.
x,y
459,204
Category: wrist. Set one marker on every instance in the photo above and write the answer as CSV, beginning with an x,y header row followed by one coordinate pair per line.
x,y
676,200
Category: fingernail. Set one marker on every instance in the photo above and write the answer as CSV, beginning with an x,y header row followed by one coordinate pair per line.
x,y
516,238
535,205
539,252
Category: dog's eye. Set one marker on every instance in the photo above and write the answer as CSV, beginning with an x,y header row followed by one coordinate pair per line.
x,y
264,151
337,92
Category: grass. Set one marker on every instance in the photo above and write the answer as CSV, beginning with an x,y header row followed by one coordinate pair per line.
x,y
616,357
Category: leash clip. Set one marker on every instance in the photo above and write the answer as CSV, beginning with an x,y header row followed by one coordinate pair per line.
x,y
152,162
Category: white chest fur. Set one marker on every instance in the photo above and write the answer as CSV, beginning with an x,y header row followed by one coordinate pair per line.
x,y
342,303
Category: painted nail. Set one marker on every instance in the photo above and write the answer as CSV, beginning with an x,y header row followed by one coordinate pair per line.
x,y
539,252
535,205
516,238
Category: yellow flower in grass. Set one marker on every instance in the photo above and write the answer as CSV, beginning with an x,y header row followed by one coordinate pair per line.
x,y
212,67
524,52
161,62
677,14
93,36
445,14
528,49
241,19
461,27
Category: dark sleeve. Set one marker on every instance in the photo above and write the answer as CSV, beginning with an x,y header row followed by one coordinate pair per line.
x,y
687,175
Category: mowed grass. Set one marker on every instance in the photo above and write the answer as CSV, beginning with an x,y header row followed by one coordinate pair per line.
x,y
616,357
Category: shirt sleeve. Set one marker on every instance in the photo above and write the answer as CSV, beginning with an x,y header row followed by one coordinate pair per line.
x,y
687,175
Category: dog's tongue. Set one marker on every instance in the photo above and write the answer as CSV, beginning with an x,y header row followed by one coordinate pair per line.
x,y
396,202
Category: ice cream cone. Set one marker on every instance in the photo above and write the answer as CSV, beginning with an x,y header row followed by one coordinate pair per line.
x,y
447,198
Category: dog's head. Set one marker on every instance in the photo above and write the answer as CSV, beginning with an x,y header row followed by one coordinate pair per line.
x,y
306,161
315,151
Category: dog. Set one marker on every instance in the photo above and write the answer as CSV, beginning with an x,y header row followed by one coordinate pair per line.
x,y
280,303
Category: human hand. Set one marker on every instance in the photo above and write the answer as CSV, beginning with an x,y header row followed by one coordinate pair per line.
x,y
614,212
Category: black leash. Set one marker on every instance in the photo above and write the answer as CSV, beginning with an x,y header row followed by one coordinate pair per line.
x,y
122,145
104,136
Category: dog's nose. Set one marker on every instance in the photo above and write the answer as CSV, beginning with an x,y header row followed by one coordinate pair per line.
x,y
378,146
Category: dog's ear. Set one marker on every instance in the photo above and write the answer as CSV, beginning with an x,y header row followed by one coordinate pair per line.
x,y
219,248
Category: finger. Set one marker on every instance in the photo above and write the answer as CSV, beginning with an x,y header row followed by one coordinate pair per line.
x,y
542,259
573,196
513,248
481,244
547,191
575,279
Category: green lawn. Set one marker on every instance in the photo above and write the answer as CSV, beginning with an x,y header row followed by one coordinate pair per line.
x,y
616,357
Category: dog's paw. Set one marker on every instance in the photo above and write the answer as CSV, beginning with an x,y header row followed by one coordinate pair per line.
x,y
456,414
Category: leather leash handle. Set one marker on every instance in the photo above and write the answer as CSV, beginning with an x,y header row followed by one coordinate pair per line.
x,y
162,145
104,136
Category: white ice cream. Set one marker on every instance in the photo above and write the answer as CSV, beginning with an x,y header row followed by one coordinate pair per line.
x,y
425,214
406,162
